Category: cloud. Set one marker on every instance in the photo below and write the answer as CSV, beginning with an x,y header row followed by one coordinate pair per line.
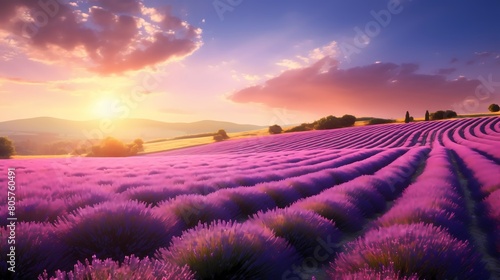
x,y
330,50
378,89
290,64
483,54
112,37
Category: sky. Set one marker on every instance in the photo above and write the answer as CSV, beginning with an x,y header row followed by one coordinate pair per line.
x,y
246,61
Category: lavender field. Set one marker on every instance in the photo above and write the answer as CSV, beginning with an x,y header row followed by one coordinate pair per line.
x,y
409,201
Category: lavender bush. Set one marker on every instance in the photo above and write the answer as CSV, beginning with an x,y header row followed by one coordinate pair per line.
x,y
231,251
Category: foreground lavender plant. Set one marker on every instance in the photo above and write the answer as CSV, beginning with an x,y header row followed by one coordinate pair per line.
x,y
422,249
227,250
36,249
115,230
300,228
385,273
132,268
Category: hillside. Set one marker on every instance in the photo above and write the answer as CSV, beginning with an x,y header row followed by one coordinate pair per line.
x,y
121,128
46,135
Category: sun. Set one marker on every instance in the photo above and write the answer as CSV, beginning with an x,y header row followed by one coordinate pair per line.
x,y
105,108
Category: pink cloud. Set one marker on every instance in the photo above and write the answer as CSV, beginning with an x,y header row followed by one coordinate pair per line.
x,y
111,39
381,89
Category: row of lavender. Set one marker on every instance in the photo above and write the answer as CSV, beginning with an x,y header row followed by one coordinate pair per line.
x,y
262,242
383,136
432,217
83,231
281,214
482,170
47,199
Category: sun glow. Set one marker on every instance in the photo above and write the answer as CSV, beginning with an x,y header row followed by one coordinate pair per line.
x,y
105,108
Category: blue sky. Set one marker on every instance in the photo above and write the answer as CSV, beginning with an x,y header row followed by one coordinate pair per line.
x,y
248,61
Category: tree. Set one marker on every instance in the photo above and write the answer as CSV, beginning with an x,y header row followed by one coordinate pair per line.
x,y
220,135
218,138
427,116
329,122
6,148
494,108
450,114
139,143
407,117
348,120
223,133
111,147
380,121
275,129
136,146
438,115
302,127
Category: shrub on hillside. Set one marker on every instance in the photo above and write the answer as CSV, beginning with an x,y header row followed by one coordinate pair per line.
x,y
348,120
6,148
329,122
302,127
494,108
441,115
275,129
139,143
220,135
449,114
380,121
111,147
332,122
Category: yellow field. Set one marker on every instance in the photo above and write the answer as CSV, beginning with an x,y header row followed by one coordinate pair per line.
x,y
168,145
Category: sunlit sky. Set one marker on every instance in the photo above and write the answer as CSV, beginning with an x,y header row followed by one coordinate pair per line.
x,y
246,61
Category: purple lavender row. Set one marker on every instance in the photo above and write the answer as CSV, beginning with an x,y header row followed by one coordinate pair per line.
x,y
50,203
481,131
239,203
493,128
350,203
490,149
347,206
434,198
484,170
415,236
469,133
484,186
353,137
41,183
110,230
491,221
161,167
201,247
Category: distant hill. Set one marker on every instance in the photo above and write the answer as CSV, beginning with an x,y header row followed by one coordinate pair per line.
x,y
120,128
60,129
